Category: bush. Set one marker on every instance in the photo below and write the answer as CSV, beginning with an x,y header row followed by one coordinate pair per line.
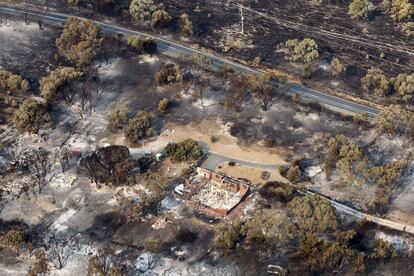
x,y
13,83
185,236
118,116
360,8
213,139
269,142
135,42
14,239
160,19
30,115
163,105
185,150
138,127
313,214
78,41
186,172
283,170
50,84
375,82
169,73
186,26
294,174
278,191
232,163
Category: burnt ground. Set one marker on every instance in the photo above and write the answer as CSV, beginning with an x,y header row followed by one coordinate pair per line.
x,y
130,78
329,24
268,24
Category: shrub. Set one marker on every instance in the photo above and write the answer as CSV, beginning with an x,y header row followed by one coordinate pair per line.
x,y
269,142
30,115
185,150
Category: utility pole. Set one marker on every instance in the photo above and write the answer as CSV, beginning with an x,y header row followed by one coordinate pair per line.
x,y
242,19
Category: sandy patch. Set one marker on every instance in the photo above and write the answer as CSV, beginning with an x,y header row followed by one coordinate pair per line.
x,y
226,144
251,174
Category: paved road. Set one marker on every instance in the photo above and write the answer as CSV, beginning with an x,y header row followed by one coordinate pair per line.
x,y
175,49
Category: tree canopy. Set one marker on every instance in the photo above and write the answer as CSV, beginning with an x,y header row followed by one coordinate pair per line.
x,y
313,214
79,41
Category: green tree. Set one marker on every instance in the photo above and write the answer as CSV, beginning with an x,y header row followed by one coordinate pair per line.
x,y
394,119
313,214
320,256
293,174
382,250
79,41
186,26
360,8
30,115
334,147
56,79
227,238
185,150
269,226
13,83
141,10
163,105
265,87
160,19
118,116
336,67
404,86
305,51
14,239
135,42
138,127
169,73
375,82
407,28
401,10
